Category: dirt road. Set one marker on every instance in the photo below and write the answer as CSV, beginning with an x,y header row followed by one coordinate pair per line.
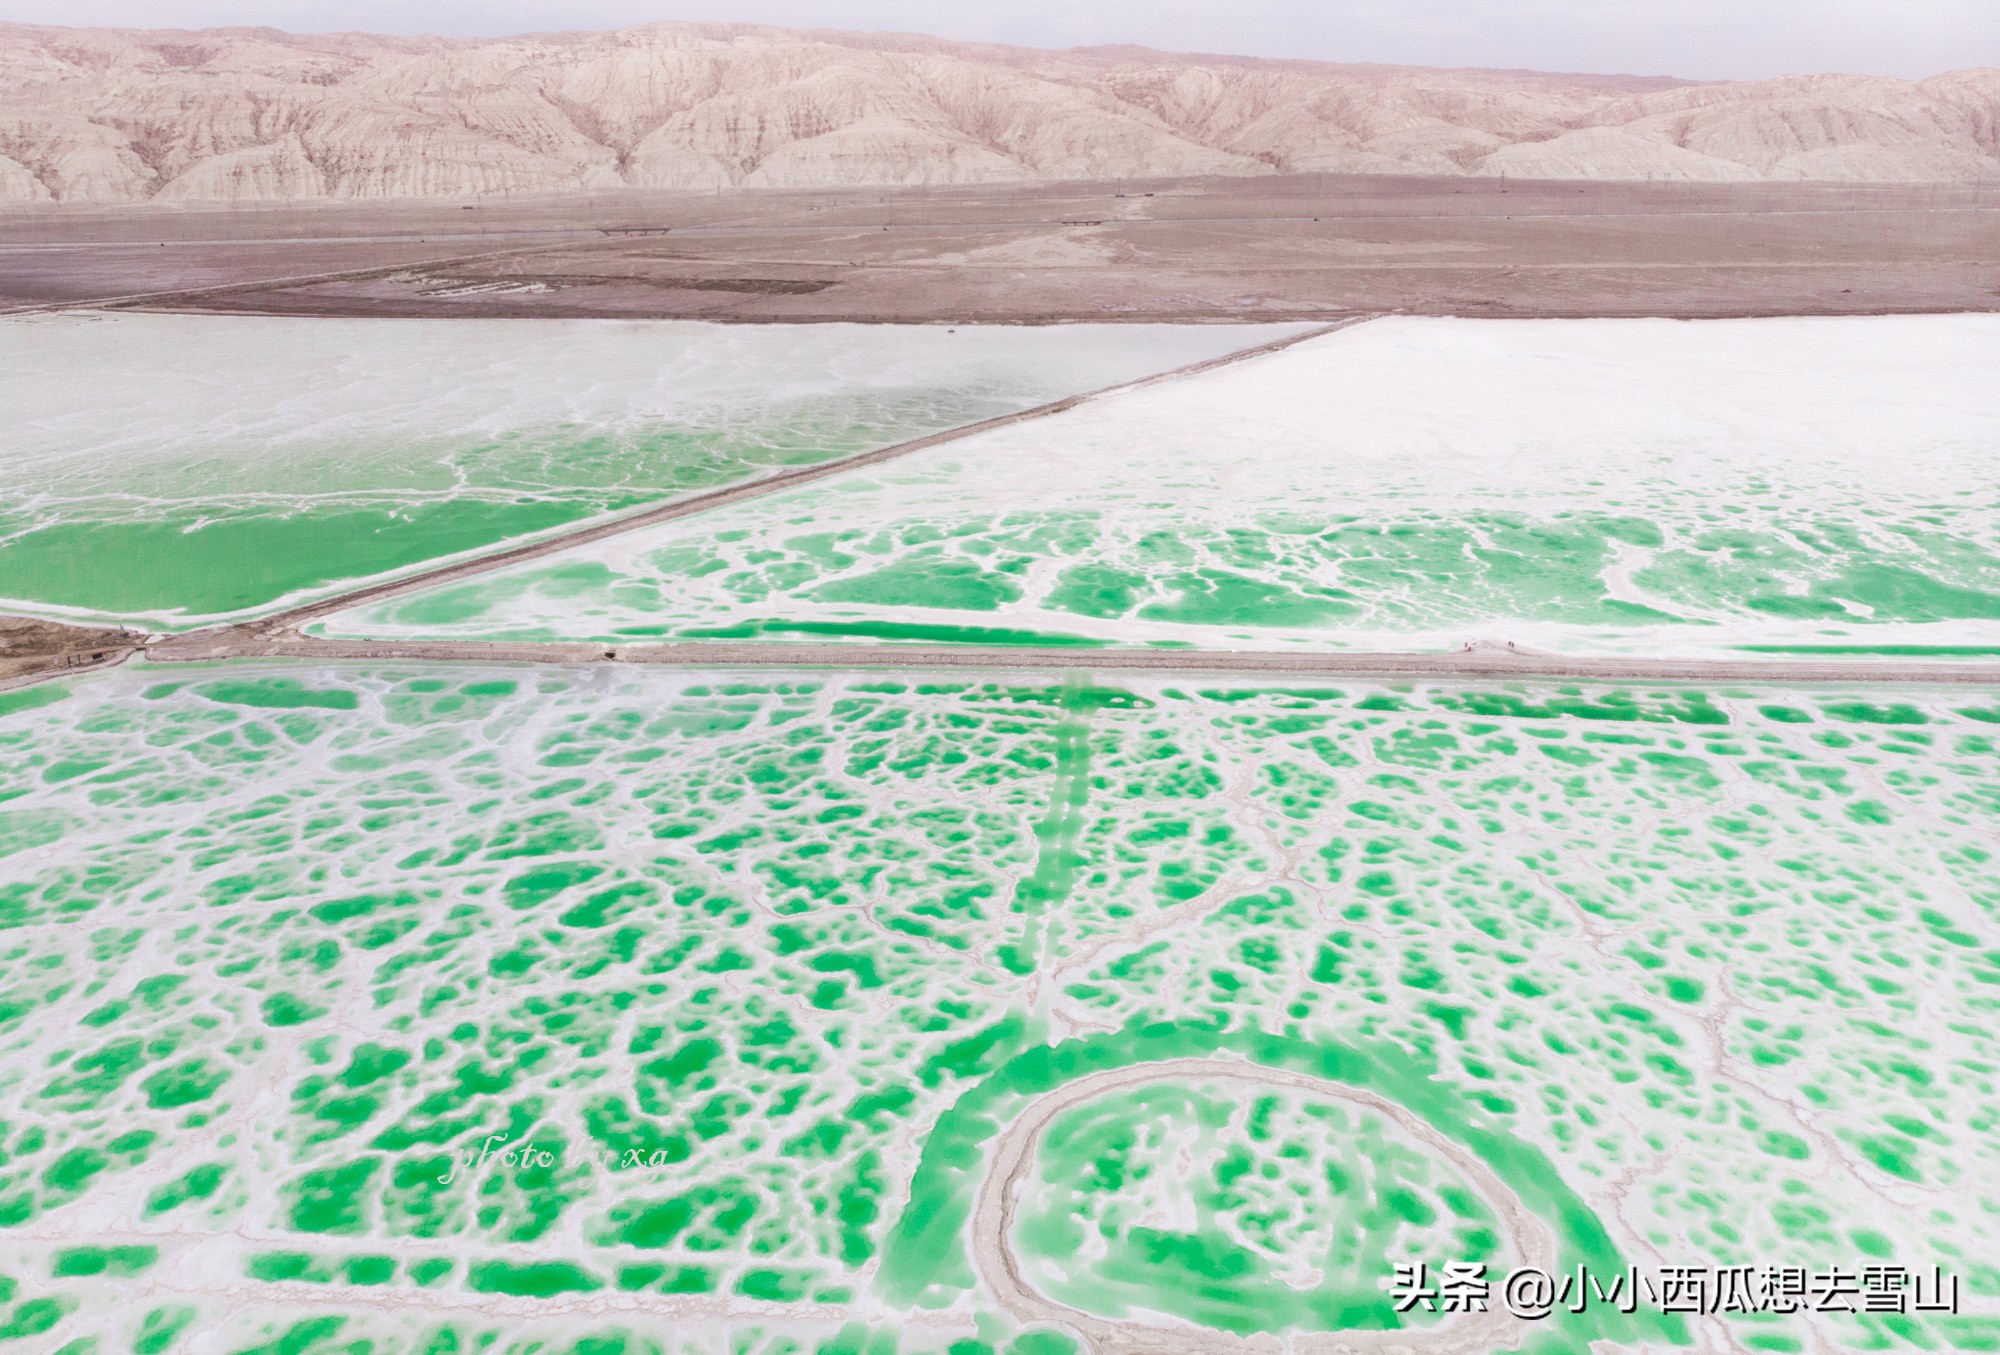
x,y
1480,664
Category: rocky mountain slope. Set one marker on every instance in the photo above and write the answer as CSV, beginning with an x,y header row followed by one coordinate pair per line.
x,y
90,115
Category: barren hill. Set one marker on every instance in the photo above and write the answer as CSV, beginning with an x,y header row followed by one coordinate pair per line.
x,y
92,115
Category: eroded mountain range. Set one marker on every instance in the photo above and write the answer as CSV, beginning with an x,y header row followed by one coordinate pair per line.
x,y
92,115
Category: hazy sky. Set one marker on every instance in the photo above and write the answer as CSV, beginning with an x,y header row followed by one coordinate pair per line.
x,y
1715,39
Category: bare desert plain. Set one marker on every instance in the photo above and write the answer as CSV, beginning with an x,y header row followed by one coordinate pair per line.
x,y
1290,247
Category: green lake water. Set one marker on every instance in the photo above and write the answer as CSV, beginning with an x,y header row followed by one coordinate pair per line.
x,y
1631,487
759,966
342,450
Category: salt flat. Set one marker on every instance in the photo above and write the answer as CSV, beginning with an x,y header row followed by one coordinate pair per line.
x,y
1590,486
757,971
436,1006
174,470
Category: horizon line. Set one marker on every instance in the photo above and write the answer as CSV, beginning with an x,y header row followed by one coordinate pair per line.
x,y
745,26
